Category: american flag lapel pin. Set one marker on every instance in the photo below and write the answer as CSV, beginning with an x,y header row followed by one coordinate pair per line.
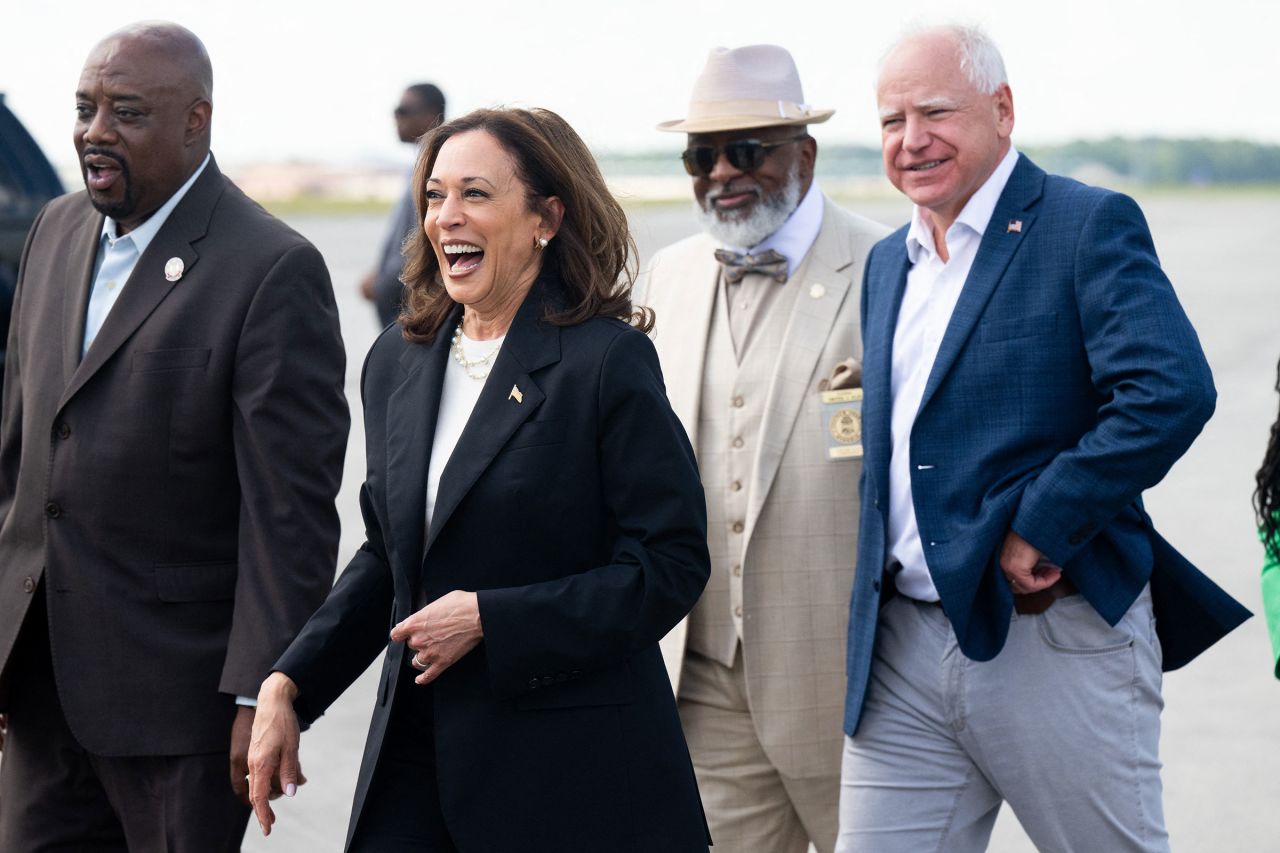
x,y
515,394
1015,226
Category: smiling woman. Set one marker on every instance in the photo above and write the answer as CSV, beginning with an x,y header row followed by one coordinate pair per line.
x,y
504,194
535,524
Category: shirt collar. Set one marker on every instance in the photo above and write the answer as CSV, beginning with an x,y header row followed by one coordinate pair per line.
x,y
976,213
146,232
796,236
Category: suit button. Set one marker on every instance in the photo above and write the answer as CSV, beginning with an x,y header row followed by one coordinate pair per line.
x,y
738,442
738,402
548,680
52,510
62,430
737,527
737,611
875,585
1080,535
534,684
28,585
735,486
737,571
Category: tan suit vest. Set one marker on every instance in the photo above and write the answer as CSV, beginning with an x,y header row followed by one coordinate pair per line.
x,y
729,419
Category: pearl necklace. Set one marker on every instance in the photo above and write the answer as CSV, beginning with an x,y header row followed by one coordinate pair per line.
x,y
460,357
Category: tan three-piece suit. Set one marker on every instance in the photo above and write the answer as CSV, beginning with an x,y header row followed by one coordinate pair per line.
x,y
782,522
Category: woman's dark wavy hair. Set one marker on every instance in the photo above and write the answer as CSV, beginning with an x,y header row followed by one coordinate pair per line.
x,y
1266,500
593,255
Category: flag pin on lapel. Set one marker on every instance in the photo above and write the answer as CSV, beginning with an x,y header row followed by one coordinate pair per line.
x,y
173,269
515,394
1015,226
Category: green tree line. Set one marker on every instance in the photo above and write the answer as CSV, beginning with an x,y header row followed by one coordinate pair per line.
x,y
1150,160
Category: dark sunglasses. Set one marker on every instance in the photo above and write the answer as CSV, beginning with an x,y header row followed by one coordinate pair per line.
x,y
745,155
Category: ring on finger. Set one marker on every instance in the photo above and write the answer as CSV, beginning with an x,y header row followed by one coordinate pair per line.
x,y
417,664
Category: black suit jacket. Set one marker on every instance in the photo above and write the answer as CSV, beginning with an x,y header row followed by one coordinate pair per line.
x,y
572,503
174,489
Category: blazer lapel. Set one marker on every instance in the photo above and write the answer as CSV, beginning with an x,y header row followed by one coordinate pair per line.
x,y
80,262
884,299
412,411
826,272
998,246
681,327
531,344
147,286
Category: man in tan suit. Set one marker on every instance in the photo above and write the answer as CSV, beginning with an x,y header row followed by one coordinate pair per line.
x,y
757,329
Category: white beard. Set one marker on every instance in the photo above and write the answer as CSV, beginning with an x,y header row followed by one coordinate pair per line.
x,y
766,217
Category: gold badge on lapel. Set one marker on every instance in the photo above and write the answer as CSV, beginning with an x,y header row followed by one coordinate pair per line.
x,y
842,419
174,268
515,394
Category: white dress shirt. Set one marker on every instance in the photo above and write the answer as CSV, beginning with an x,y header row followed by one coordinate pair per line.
x,y
118,255
933,288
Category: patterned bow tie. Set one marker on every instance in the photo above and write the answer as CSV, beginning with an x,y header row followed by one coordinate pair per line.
x,y
737,264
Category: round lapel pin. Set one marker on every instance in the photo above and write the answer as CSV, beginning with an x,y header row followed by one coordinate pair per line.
x,y
173,269
817,291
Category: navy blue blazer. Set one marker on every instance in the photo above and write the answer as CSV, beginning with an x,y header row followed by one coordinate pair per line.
x,y
572,503
1068,381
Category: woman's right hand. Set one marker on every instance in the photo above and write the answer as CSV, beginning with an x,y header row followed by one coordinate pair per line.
x,y
273,748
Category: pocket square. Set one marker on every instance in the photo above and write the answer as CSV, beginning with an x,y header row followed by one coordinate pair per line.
x,y
846,374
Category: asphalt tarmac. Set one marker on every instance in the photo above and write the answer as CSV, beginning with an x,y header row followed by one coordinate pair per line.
x,y
1220,743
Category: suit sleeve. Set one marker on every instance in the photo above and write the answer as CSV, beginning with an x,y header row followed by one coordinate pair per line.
x,y
1146,365
11,408
659,562
350,628
290,425
347,632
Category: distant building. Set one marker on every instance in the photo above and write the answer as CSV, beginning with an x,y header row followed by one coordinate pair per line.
x,y
268,182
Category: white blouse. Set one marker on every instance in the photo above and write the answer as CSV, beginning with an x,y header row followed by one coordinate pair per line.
x,y
457,400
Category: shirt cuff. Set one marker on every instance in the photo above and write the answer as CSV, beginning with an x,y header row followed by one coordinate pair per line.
x,y
247,701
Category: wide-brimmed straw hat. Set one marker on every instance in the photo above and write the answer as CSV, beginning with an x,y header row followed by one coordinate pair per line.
x,y
746,87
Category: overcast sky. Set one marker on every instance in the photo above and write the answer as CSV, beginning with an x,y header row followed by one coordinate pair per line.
x,y
292,81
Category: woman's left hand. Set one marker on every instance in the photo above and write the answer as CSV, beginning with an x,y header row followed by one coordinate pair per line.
x,y
441,633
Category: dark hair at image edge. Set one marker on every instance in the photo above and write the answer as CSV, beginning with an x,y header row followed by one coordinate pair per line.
x,y
592,256
1266,500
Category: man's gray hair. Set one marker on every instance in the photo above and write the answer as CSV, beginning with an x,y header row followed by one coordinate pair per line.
x,y
980,59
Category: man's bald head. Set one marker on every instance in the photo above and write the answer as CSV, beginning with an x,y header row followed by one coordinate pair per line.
x,y
176,45
143,111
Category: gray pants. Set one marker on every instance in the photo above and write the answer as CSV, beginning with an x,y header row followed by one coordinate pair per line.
x,y
1063,724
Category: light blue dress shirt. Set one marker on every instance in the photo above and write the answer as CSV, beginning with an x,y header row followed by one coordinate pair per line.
x,y
118,255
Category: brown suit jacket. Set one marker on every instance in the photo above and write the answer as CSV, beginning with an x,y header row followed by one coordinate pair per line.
x,y
174,490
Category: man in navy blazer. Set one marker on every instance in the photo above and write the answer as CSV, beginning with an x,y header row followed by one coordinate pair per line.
x,y
1028,372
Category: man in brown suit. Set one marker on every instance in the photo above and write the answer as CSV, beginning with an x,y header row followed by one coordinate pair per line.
x,y
171,444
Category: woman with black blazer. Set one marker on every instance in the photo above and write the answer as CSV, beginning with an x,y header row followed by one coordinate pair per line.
x,y
534,521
